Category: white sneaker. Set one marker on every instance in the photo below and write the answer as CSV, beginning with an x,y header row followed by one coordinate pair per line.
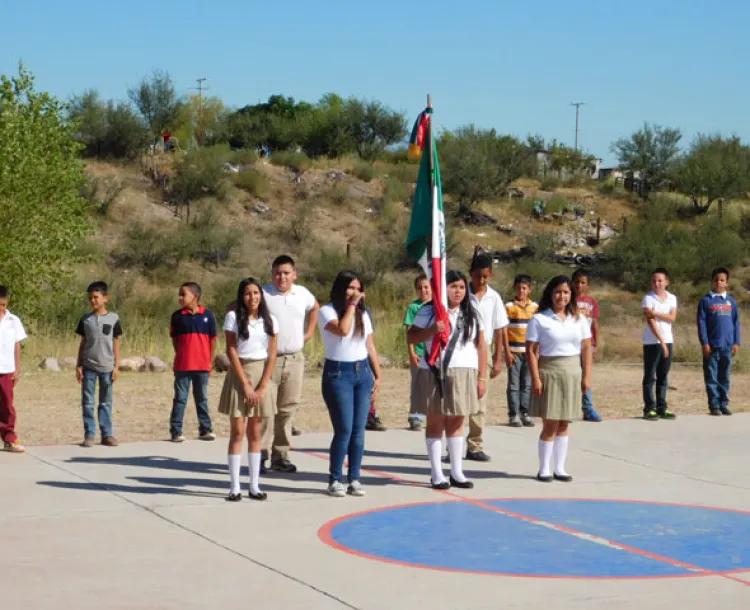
x,y
336,489
355,489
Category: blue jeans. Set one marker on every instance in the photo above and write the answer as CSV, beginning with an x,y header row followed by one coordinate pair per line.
x,y
182,380
716,371
420,417
346,391
518,391
104,410
588,400
655,373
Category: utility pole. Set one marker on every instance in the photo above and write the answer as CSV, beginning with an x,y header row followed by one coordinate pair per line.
x,y
199,126
578,110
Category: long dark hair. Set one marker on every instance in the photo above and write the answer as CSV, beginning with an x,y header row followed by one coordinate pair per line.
x,y
468,311
339,302
557,281
243,313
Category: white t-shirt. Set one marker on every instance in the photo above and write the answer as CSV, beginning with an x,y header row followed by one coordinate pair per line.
x,y
255,347
651,301
465,355
343,349
11,332
558,337
493,313
290,310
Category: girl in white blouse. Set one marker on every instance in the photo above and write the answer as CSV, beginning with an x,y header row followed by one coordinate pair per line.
x,y
558,343
248,394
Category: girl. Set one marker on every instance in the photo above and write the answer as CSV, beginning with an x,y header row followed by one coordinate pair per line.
x,y
558,344
351,377
248,395
465,356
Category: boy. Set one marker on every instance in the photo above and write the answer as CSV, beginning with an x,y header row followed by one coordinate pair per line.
x,y
11,335
193,332
296,309
494,323
424,295
98,360
520,310
588,307
719,334
660,312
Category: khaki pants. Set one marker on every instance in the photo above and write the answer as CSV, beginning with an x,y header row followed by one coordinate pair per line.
x,y
474,441
276,433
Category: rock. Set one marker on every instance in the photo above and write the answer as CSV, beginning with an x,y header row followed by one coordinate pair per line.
x,y
221,363
260,208
134,364
385,361
49,364
68,363
155,365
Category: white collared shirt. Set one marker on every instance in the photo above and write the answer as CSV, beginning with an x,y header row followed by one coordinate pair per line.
x,y
492,312
723,295
343,349
465,355
558,337
290,310
11,332
255,347
651,301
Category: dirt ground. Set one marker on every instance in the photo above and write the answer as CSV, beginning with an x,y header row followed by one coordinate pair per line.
x,y
49,412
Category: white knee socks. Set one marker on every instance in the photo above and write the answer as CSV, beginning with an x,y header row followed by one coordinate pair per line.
x,y
561,453
545,453
234,461
456,453
253,460
434,452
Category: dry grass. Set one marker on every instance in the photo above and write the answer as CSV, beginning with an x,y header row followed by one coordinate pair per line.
x,y
49,409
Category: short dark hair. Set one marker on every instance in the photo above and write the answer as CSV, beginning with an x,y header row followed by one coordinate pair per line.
x,y
422,277
662,270
193,287
522,278
581,273
3,292
719,270
98,287
284,259
481,261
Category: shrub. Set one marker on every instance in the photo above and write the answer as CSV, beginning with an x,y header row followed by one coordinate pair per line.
x,y
395,190
364,171
199,174
338,194
147,247
550,183
252,181
297,161
204,239
244,156
101,193
300,228
402,172
557,204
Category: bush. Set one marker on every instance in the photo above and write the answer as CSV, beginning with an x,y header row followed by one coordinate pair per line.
x,y
297,161
396,190
147,247
338,194
550,183
199,174
205,240
300,228
364,171
101,193
244,156
557,204
252,181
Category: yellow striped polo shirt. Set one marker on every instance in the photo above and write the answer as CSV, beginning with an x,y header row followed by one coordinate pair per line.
x,y
518,317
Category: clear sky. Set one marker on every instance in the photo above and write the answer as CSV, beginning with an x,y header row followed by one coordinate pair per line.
x,y
509,64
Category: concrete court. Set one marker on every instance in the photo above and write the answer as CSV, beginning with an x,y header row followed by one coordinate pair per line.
x,y
145,525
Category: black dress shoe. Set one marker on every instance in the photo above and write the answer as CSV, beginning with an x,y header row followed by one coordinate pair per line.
x,y
460,485
260,496
443,485
233,497
283,466
544,479
477,456
565,478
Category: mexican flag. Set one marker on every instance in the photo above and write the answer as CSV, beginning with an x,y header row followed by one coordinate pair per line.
x,y
426,241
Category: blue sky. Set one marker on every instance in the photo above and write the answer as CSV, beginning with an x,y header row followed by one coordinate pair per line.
x,y
509,64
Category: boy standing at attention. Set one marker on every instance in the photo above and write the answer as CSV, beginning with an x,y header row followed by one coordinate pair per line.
x,y
588,307
193,332
296,309
494,323
11,335
520,310
660,312
98,360
719,334
424,296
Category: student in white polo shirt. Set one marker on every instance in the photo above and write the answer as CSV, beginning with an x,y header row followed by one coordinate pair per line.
x,y
11,335
494,323
296,309
558,344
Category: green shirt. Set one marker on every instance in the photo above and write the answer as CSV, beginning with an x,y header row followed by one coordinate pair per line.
x,y
411,312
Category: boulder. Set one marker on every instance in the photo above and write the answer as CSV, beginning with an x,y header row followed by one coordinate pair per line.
x,y
221,363
49,364
68,363
260,208
385,361
155,364
133,364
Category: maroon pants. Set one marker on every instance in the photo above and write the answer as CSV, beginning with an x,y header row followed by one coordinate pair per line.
x,y
7,412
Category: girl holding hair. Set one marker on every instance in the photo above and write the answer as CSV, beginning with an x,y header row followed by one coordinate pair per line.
x,y
248,394
558,344
465,363
351,378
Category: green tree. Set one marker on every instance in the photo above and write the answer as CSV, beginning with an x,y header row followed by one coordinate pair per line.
x,y
43,215
714,168
157,100
652,151
373,127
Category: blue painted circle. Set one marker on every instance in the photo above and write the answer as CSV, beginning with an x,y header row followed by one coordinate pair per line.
x,y
660,540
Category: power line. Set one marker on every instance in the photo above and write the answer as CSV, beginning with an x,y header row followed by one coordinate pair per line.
x,y
199,127
578,110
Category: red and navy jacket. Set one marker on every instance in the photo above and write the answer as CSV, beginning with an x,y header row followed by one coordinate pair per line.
x,y
718,321
193,333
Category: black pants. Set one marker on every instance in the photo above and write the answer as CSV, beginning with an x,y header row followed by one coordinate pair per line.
x,y
655,372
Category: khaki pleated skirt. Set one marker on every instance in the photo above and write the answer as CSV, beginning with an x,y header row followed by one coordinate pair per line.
x,y
561,394
232,400
460,393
